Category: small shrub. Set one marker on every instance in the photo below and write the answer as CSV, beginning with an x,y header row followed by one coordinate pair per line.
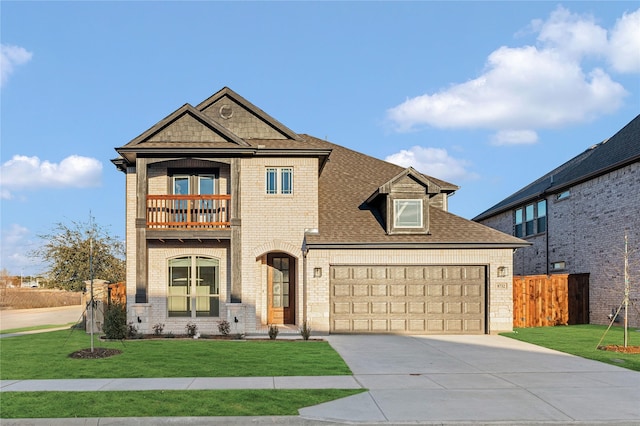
x,y
224,327
273,331
305,330
169,335
192,329
157,329
115,321
132,331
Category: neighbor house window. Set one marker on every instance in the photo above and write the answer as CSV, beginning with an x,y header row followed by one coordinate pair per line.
x,y
279,180
541,210
558,265
518,223
194,289
531,219
407,213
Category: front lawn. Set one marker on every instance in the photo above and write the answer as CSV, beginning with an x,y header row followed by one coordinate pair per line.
x,y
281,402
46,356
582,340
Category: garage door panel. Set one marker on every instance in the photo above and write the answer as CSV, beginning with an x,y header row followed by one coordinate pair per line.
x,y
453,308
472,308
417,308
379,290
407,299
398,290
379,307
342,290
379,326
435,307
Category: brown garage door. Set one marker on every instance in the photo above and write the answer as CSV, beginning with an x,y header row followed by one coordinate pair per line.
x,y
408,299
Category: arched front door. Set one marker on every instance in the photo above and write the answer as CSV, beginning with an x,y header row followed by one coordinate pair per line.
x,y
281,288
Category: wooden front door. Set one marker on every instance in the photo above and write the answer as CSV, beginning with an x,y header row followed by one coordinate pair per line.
x,y
281,286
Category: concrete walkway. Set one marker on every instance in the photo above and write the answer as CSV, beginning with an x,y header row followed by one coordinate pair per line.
x,y
452,380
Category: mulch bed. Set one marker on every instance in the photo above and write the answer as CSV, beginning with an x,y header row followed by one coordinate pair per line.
x,y
621,348
96,354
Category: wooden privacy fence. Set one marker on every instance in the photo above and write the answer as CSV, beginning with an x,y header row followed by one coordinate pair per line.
x,y
546,300
118,293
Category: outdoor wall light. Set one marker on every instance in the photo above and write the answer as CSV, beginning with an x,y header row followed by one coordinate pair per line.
x,y
502,271
317,272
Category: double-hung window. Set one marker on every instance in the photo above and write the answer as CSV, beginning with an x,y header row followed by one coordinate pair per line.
x,y
194,289
279,180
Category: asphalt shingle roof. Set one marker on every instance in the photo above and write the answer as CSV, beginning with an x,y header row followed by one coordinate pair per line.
x,y
350,177
621,149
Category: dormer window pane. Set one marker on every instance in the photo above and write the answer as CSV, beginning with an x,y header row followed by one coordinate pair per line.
x,y
407,213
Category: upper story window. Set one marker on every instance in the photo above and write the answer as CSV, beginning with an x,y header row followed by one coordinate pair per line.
x,y
407,213
193,184
541,209
530,219
279,180
563,195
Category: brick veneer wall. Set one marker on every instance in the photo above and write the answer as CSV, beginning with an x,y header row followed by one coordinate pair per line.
x,y
274,222
499,289
586,230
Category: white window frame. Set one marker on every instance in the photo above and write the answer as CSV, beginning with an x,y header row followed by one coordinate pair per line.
x,y
398,210
283,180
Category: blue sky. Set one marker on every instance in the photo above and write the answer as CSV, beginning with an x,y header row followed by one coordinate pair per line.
x,y
486,95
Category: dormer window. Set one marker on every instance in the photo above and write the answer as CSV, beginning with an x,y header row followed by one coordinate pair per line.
x,y
402,203
407,213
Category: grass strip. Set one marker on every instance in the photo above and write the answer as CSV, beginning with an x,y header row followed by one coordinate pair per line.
x,y
46,356
264,402
582,340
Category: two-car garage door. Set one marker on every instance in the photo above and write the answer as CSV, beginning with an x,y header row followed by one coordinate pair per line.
x,y
408,299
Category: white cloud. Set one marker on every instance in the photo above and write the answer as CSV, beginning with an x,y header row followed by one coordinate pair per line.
x,y
514,137
22,172
17,242
624,54
10,57
531,87
434,162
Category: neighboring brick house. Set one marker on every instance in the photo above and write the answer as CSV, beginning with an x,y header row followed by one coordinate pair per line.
x,y
231,215
576,218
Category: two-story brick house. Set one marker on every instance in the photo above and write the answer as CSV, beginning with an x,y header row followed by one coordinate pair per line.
x,y
231,215
576,218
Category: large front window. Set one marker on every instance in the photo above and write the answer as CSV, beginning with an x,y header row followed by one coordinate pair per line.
x,y
194,289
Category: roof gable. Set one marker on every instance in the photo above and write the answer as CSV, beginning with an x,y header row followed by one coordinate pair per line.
x,y
186,126
410,179
242,117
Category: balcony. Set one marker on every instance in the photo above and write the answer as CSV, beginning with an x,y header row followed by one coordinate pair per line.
x,y
198,212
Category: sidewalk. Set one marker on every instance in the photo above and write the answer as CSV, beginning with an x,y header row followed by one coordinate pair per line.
x,y
187,383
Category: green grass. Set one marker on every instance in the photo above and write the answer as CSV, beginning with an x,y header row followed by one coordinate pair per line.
x,y
582,340
46,356
165,403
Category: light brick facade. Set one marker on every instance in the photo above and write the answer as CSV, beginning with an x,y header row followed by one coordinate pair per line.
x,y
586,231
227,134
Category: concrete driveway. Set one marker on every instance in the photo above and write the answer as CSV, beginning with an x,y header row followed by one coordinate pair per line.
x,y
477,379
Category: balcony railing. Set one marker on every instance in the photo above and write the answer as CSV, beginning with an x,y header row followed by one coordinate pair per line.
x,y
188,211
